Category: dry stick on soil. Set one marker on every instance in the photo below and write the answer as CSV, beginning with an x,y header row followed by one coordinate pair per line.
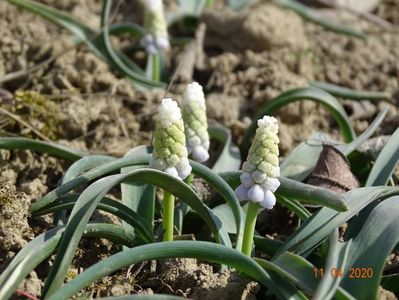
x,y
23,123
367,16
192,56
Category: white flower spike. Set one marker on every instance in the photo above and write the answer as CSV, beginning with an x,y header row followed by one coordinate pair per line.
x,y
170,153
195,122
260,171
156,39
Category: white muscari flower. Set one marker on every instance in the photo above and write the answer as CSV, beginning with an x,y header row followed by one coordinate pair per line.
x,y
260,171
195,122
170,153
156,38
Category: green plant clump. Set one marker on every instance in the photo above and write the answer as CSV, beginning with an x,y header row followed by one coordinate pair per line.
x,y
315,262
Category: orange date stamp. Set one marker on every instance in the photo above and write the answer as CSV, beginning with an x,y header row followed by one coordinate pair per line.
x,y
353,273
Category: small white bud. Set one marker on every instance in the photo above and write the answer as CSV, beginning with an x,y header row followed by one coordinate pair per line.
x,y
246,180
241,192
172,172
200,154
256,193
269,200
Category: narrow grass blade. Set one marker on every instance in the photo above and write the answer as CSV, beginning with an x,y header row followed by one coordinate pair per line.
x,y
334,269
44,245
295,206
370,248
347,93
386,162
201,250
306,93
141,226
322,223
310,15
53,149
89,199
114,59
230,158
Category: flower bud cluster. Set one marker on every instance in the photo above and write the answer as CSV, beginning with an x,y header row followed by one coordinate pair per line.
x,y
260,171
195,122
156,39
170,153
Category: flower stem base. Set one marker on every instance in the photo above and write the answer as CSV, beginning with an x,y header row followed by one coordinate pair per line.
x,y
168,212
249,229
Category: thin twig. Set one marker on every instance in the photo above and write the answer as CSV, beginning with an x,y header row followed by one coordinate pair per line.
x,y
172,80
23,123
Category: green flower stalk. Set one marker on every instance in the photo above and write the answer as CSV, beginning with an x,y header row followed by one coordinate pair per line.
x,y
170,154
195,122
156,39
259,176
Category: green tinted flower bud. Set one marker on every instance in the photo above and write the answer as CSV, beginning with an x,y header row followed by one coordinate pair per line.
x,y
259,178
195,122
170,153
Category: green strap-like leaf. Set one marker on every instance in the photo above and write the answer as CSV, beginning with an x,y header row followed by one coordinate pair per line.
x,y
53,149
230,158
89,199
310,15
85,178
299,272
347,93
44,245
221,186
295,206
307,93
141,226
113,57
370,248
386,162
84,164
301,161
200,250
212,178
322,223
138,196
334,268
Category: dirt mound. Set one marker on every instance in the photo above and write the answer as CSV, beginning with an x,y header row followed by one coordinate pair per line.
x,y
15,232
